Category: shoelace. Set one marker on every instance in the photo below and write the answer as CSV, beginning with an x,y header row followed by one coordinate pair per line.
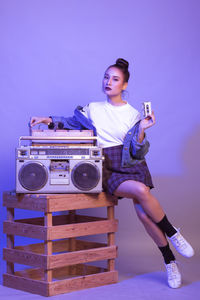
x,y
172,270
179,240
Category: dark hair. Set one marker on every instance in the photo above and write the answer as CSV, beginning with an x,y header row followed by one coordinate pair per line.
x,y
122,65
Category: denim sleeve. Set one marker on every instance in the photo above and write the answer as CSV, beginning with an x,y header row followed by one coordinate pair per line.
x,y
68,123
139,150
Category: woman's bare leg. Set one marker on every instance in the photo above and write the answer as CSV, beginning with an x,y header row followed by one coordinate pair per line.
x,y
151,228
139,191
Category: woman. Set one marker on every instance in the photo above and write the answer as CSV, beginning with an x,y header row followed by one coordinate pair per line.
x,y
121,133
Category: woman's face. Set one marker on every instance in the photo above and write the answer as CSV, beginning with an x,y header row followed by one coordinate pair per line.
x,y
113,82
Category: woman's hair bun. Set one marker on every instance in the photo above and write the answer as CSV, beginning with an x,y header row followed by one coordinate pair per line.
x,y
122,63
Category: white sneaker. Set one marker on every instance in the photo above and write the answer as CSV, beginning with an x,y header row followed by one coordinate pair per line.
x,y
173,275
181,245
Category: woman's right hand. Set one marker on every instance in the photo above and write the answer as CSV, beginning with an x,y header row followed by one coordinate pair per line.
x,y
38,120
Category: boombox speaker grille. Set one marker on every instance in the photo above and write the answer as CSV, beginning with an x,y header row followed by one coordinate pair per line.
x,y
33,176
85,176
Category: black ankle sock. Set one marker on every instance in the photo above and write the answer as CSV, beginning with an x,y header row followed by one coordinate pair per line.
x,y
167,254
166,227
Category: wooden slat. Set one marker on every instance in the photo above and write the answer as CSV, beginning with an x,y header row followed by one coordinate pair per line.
x,y
35,274
25,201
82,218
59,287
79,201
83,269
39,248
25,258
79,283
33,221
57,220
57,202
61,246
26,284
60,273
35,248
82,256
80,270
60,220
32,231
83,245
81,229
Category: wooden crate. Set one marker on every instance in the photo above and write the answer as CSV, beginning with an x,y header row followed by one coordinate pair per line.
x,y
60,264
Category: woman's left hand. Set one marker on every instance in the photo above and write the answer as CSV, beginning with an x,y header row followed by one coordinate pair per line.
x,y
148,121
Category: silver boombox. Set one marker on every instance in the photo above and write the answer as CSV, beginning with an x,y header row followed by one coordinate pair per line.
x,y
58,169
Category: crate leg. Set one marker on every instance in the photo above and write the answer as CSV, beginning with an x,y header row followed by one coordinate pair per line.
x,y
111,237
72,241
10,240
48,245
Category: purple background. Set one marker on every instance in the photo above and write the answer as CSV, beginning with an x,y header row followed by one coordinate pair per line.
x,y
52,58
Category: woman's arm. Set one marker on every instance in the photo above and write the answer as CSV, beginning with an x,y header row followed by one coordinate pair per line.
x,y
38,120
66,123
79,121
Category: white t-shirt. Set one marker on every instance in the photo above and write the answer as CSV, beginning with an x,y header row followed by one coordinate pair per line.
x,y
112,122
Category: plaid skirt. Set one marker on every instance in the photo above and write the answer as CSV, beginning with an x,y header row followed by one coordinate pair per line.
x,y
114,174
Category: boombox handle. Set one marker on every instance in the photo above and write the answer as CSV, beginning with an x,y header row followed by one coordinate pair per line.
x,y
57,138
